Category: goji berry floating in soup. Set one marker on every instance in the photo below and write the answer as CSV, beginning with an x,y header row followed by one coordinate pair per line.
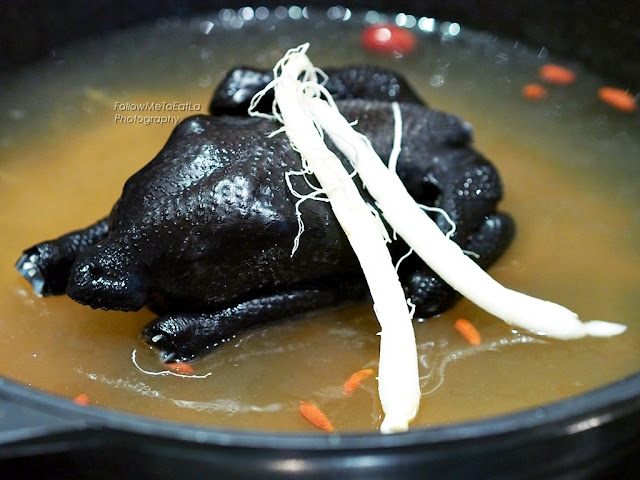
x,y
257,318
388,40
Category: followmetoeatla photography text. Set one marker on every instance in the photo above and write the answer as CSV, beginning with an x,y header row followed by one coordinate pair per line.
x,y
148,113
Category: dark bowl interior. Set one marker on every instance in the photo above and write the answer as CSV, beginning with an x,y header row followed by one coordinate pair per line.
x,y
593,435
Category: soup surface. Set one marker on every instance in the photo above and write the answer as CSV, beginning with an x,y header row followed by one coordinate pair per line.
x,y
70,137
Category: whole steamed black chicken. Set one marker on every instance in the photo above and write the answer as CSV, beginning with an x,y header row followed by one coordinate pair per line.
x,y
203,234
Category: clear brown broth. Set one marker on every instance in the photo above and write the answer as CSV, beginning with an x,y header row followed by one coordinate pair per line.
x,y
570,166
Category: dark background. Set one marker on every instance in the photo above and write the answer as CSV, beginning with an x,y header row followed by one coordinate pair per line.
x,y
604,35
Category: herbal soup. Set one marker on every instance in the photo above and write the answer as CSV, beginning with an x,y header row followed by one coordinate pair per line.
x,y
77,125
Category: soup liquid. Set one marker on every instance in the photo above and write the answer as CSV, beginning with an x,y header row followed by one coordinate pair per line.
x,y
571,174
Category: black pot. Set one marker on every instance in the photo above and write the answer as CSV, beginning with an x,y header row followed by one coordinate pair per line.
x,y
594,435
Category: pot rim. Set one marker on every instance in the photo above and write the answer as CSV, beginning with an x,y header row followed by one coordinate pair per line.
x,y
564,417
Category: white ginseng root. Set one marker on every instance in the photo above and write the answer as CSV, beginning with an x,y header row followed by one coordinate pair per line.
x,y
398,379
444,256
304,113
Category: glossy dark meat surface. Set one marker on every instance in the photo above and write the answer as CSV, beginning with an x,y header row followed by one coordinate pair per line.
x,y
203,233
